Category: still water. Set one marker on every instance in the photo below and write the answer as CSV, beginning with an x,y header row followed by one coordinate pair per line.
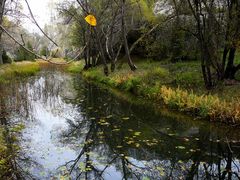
x,y
76,130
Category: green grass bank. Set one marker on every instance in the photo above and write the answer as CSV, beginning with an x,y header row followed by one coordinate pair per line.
x,y
16,70
180,86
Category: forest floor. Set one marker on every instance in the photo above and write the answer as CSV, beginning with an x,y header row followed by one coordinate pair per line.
x,y
179,85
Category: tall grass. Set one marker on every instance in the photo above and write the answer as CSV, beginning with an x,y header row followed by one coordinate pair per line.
x,y
23,69
206,106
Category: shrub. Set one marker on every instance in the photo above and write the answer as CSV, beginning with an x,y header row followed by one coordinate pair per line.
x,y
6,58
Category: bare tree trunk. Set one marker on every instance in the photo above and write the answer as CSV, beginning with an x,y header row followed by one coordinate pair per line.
x,y
2,6
124,35
1,51
106,72
230,69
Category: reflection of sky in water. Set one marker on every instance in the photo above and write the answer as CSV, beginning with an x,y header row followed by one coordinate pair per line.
x,y
52,112
41,136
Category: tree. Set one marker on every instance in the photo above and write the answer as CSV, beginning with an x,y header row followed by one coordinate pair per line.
x,y
22,54
2,7
44,51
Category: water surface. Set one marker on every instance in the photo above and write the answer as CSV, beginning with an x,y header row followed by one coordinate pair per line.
x,y
76,129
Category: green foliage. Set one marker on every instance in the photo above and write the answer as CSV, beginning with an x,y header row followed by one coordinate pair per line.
x,y
44,51
145,8
6,58
21,54
177,46
77,35
75,67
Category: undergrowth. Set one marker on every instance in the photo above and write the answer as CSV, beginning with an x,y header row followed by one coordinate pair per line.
x,y
180,86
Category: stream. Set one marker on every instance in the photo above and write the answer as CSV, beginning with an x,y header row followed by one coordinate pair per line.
x,y
74,129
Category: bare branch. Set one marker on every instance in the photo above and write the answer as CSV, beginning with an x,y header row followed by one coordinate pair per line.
x,y
37,55
32,16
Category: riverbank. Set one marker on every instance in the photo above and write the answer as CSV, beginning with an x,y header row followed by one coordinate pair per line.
x,y
179,86
19,69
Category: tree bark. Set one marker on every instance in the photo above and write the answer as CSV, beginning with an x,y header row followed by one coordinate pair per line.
x,y
2,6
124,35
230,69
106,71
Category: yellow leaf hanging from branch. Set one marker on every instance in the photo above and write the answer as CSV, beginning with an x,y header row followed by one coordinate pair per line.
x,y
90,19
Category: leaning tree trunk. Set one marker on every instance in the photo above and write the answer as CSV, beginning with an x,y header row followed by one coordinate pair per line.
x,y
124,35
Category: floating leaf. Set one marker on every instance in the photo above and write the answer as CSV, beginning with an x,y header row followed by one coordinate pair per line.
x,y
180,147
100,133
130,142
137,133
146,178
125,118
137,145
110,116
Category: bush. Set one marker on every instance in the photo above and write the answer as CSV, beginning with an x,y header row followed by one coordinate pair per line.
x,y
44,51
22,54
6,58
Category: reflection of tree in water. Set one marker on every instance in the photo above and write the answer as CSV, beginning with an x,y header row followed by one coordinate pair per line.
x,y
115,137
16,109
13,100
112,133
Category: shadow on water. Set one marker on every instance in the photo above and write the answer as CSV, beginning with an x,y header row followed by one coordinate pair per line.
x,y
76,130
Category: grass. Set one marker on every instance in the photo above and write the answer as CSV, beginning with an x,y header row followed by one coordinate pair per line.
x,y
75,67
179,85
21,69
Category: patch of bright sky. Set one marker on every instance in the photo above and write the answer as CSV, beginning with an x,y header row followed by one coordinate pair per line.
x,y
42,10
